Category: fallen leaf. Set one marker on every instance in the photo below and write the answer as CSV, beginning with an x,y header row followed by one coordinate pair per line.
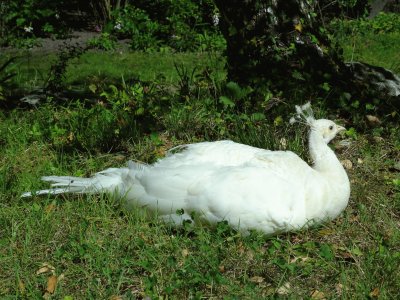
x,y
115,297
339,289
317,295
283,143
347,164
221,268
374,293
21,286
119,157
299,259
49,208
51,284
359,161
326,231
257,279
185,252
284,289
354,218
45,268
298,27
373,120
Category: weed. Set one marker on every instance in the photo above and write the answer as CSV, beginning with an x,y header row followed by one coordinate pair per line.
x,y
56,80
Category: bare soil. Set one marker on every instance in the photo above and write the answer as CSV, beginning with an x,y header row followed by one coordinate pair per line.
x,y
49,45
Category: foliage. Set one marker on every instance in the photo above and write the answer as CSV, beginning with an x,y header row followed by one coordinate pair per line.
x,y
78,128
380,24
6,74
369,41
104,42
344,9
279,47
56,79
135,100
30,18
134,23
180,25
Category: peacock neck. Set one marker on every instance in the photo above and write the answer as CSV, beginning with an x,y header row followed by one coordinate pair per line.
x,y
324,159
332,173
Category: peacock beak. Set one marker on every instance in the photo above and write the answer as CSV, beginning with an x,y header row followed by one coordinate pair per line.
x,y
340,128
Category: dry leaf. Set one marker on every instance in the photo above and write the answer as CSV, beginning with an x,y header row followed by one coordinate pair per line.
x,y
116,297
326,231
298,27
347,164
70,136
257,279
221,268
284,289
373,120
51,284
317,295
378,139
21,287
45,268
49,208
374,293
299,259
283,143
359,161
185,252
119,157
339,289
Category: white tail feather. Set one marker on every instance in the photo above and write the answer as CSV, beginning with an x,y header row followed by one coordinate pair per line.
x,y
109,180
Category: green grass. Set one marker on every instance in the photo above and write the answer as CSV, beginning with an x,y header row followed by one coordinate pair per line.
x,y
32,68
376,49
98,250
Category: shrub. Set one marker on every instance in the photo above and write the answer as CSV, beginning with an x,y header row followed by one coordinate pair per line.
x,y
181,25
30,18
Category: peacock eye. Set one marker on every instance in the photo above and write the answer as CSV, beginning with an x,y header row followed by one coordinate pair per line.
x,y
331,127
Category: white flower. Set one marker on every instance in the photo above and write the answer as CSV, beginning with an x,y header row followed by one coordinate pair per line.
x,y
57,16
28,28
215,19
118,26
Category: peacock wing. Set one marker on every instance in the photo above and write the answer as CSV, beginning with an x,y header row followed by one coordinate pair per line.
x,y
250,197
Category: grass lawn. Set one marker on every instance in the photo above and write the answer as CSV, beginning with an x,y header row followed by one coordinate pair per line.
x,y
89,247
32,68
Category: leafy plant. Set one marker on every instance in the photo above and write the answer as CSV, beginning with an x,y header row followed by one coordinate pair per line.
x,y
56,79
382,23
135,23
104,42
31,18
5,75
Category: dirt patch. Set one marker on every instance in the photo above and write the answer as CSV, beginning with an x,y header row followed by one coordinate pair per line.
x,y
49,45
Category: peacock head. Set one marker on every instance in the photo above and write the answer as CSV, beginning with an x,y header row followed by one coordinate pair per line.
x,y
324,128
327,129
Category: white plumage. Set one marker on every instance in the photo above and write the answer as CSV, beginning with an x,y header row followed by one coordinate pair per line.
x,y
251,188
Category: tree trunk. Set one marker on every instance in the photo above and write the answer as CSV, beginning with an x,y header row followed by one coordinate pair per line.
x,y
282,46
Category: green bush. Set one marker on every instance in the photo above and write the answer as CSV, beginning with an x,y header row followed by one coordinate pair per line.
x,y
104,42
180,25
30,18
382,23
